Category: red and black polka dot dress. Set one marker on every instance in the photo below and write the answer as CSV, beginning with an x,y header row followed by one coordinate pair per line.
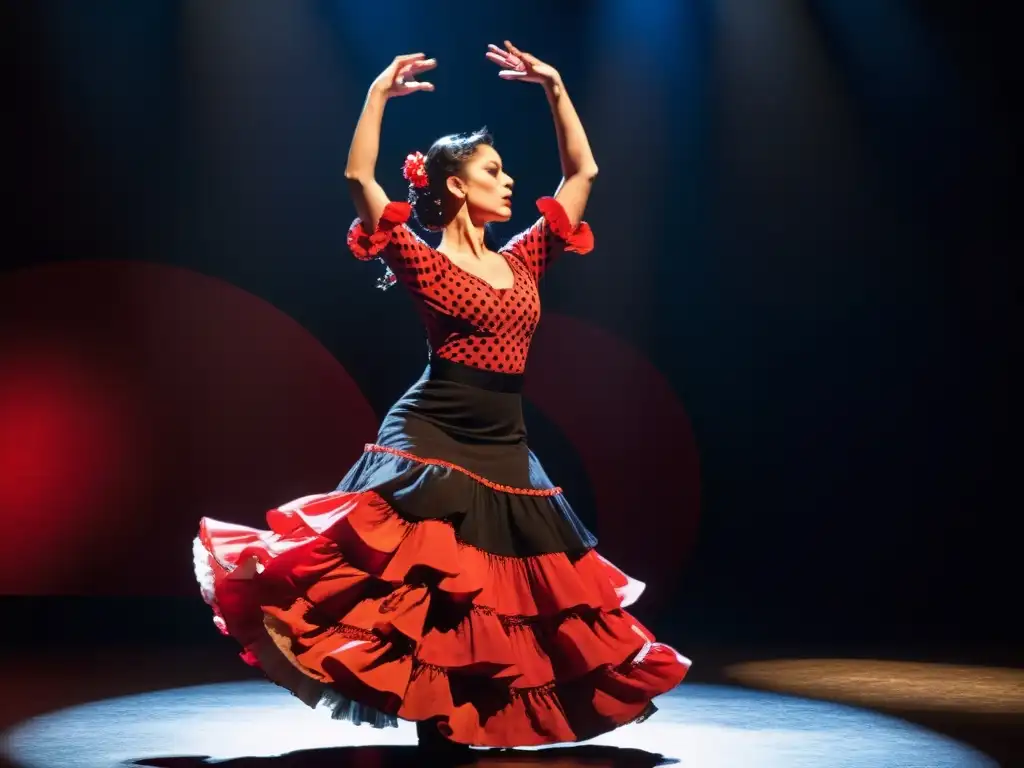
x,y
446,580
468,321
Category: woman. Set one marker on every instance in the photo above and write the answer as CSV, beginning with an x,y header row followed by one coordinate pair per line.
x,y
447,581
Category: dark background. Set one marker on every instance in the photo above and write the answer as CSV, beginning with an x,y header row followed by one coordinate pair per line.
x,y
795,328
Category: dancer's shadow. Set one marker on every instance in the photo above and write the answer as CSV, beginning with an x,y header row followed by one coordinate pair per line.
x,y
410,757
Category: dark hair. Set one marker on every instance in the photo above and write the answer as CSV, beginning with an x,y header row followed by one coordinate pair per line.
x,y
445,158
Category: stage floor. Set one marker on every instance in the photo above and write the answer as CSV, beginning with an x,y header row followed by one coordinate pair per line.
x,y
187,708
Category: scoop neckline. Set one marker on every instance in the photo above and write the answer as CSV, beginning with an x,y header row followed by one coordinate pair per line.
x,y
515,277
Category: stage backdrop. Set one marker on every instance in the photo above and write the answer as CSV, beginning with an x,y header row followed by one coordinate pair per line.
x,y
774,390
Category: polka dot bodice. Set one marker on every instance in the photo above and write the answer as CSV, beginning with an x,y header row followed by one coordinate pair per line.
x,y
467,320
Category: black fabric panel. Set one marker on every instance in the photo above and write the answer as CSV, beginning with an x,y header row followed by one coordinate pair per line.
x,y
501,523
469,419
478,429
440,369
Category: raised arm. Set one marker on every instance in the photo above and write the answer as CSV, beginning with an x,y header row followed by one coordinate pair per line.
x,y
579,169
398,79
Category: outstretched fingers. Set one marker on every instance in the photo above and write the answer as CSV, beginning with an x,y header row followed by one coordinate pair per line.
x,y
412,66
521,55
512,67
422,65
504,57
407,58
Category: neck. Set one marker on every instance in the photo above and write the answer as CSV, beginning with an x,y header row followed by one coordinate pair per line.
x,y
461,235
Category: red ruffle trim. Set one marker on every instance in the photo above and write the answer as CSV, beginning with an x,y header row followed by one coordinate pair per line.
x,y
578,239
366,246
374,448
405,618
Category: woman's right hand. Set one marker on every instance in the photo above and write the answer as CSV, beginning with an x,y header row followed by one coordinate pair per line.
x,y
399,79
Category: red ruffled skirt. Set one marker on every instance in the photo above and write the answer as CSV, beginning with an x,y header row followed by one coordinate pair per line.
x,y
361,601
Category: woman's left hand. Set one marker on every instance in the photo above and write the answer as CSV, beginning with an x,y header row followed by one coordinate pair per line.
x,y
519,65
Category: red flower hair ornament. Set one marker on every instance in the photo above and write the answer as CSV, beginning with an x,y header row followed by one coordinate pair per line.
x,y
415,170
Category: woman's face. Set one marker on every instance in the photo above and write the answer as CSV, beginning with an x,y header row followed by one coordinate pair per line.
x,y
486,188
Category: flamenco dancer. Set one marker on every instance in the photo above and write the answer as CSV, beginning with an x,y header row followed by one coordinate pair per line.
x,y
446,580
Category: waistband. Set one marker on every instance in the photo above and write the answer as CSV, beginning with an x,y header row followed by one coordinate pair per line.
x,y
439,369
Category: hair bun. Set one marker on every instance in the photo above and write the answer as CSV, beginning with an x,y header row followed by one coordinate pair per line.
x,y
445,158
427,208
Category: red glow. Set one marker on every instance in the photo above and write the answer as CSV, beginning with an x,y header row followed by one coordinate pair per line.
x,y
634,439
67,441
136,398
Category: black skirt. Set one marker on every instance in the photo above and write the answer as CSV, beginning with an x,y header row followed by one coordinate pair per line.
x,y
454,447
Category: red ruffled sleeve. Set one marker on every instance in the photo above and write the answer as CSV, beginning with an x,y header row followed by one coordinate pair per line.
x,y
578,239
366,246
549,237
410,261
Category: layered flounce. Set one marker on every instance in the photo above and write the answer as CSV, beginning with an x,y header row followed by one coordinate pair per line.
x,y
525,515
578,239
345,603
366,245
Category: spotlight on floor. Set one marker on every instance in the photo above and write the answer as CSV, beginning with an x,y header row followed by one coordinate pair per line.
x,y
248,724
892,685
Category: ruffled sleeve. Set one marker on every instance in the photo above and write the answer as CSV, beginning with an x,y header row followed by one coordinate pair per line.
x,y
409,260
365,245
552,234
